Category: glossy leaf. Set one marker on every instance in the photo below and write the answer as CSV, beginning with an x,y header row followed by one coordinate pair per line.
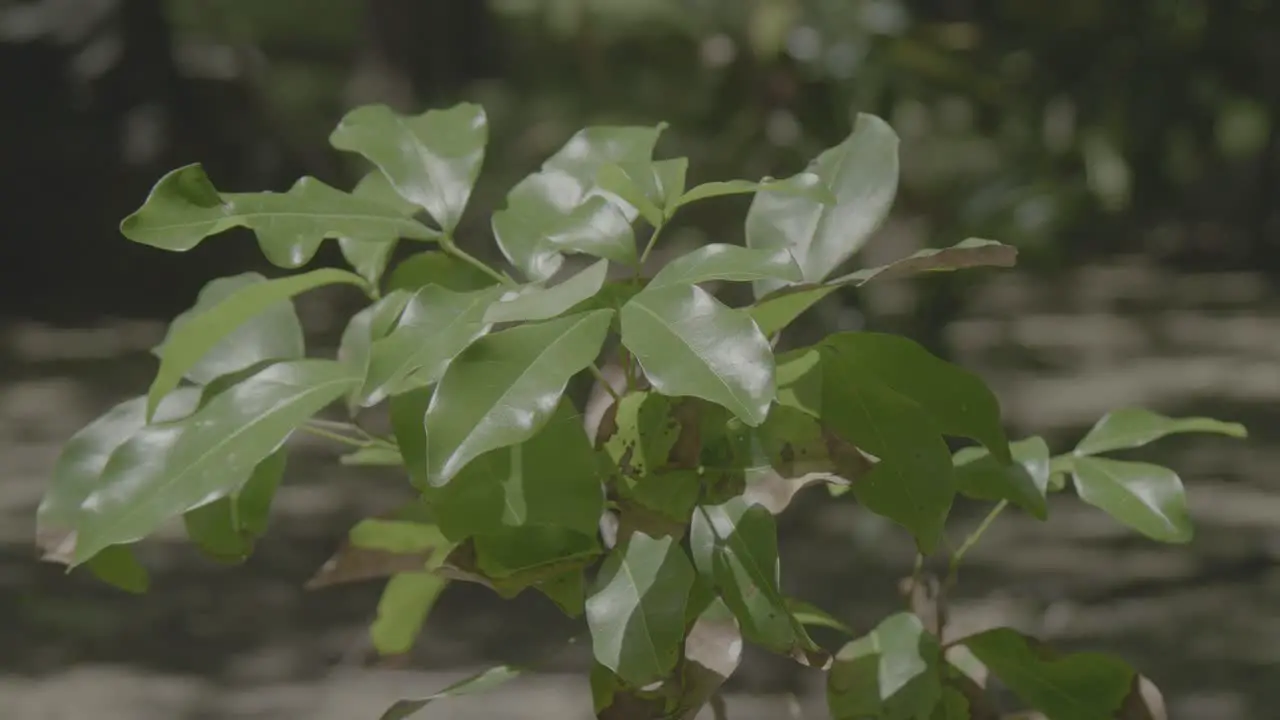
x,y
1024,482
432,159
958,401
689,344
551,479
814,616
777,309
434,327
727,262
169,468
912,484
891,673
712,652
184,208
403,608
636,614
369,257
407,413
117,566
77,471
364,328
543,303
433,267
484,682
274,333
227,528
862,173
805,184
505,387
198,334
1146,497
1135,427
1084,686
653,188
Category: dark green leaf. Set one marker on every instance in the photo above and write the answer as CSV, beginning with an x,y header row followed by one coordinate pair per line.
x,y
1135,427
890,674
405,603
799,377
407,412
862,173
189,342
432,159
370,324
637,611
227,528
184,208
483,682
953,706
689,344
434,327
434,267
1084,686
117,566
169,468
777,309
503,388
1147,498
805,184
543,303
1023,482
912,484
369,257
567,590
958,401
727,262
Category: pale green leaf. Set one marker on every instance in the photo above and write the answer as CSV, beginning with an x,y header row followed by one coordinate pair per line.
x,y
1135,427
403,608
373,456
653,188
805,184
483,682
890,674
364,328
433,267
1023,482
811,615
727,262
1146,497
543,303
369,257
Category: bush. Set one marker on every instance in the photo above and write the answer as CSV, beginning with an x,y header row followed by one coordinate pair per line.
x,y
654,521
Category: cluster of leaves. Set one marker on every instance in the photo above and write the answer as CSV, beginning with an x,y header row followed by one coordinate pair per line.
x,y
655,521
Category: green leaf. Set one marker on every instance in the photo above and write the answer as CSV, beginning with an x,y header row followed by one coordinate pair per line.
x,y
957,400
799,378
543,303
369,257
403,608
184,208
551,479
374,456
636,614
504,388
653,188
1024,482
712,652
777,309
117,566
433,267
407,413
568,591
380,547
189,342
227,528
953,706
434,327
560,208
1135,427
862,173
169,468
274,333
483,682
805,184
1146,497
432,159
891,673
370,324
77,471
639,432
514,558
403,537
1084,686
727,262
912,484
689,344
814,616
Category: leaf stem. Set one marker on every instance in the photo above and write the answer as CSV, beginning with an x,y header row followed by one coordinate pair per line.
x,y
608,387
953,571
449,246
648,248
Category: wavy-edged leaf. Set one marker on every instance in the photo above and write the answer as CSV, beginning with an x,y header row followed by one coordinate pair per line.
x,y
777,309
273,333
77,471
1148,498
184,208
727,262
862,174
169,468
689,344
484,682
957,400
890,673
432,159
365,327
912,484
189,342
503,388
435,325
1083,686
543,303
369,257
403,608
1024,482
1135,427
637,612
433,267
227,528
